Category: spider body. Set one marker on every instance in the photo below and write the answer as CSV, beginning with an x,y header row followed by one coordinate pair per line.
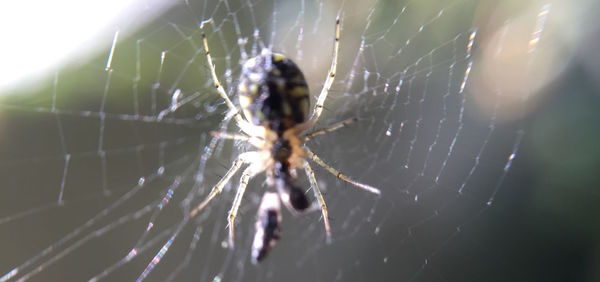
x,y
275,101
273,92
267,226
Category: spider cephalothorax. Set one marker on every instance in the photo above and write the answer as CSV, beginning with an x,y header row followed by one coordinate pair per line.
x,y
275,100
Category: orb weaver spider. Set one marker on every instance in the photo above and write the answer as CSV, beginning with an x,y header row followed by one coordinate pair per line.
x,y
274,97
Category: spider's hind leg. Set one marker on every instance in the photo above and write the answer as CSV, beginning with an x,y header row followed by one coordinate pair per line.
x,y
328,82
328,129
246,126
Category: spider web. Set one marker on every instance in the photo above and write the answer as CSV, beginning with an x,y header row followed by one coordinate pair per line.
x,y
101,166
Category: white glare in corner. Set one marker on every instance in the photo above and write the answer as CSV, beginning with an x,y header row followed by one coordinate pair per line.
x,y
37,35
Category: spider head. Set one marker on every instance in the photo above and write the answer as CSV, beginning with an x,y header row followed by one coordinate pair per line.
x,y
291,194
297,198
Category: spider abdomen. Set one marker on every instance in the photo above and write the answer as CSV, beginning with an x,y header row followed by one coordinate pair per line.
x,y
273,92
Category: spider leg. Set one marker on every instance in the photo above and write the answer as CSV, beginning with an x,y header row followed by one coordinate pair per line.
x,y
313,182
338,174
330,128
231,136
242,158
248,173
328,82
255,141
247,127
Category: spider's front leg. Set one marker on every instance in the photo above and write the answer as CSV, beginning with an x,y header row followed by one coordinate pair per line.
x,y
246,175
241,159
340,175
313,182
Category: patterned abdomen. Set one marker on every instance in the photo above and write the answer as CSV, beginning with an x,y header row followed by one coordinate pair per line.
x,y
273,92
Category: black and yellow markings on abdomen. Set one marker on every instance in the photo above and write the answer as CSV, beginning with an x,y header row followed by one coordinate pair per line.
x,y
274,93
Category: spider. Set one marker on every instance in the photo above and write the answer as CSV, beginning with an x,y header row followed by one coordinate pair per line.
x,y
274,98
